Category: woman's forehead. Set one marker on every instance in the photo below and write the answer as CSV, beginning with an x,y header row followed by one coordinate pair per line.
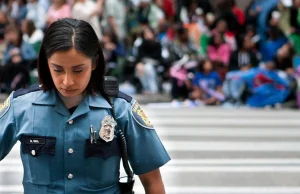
x,y
70,57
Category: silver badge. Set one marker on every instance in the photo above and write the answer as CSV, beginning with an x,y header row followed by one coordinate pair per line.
x,y
107,129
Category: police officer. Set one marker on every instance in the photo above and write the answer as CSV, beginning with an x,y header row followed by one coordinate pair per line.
x,y
66,127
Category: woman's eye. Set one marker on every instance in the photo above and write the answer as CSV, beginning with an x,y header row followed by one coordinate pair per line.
x,y
58,70
77,71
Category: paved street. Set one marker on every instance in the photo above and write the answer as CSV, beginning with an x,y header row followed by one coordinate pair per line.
x,y
215,151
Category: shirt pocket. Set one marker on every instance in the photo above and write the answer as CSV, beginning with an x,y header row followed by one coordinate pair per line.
x,y
102,163
38,154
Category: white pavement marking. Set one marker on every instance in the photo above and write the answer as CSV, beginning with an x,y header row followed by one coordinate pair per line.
x,y
228,190
221,161
240,162
228,114
236,146
195,190
11,188
213,132
231,169
221,122
202,169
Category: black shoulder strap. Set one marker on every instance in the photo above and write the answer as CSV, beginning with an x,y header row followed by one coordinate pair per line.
x,y
124,96
21,92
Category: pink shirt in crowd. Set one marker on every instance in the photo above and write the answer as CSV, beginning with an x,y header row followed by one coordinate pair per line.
x,y
55,14
221,53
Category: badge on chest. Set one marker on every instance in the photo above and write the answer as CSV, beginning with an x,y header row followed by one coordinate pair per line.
x,y
107,128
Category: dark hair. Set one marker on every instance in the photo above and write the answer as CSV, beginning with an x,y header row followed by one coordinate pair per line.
x,y
212,39
144,32
200,66
240,39
64,35
112,36
30,26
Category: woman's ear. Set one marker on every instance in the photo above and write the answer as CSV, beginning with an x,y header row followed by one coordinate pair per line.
x,y
94,65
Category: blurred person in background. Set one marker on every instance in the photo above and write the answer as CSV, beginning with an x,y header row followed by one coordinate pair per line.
x,y
115,18
113,50
183,44
193,28
32,35
218,50
3,5
207,84
58,9
206,33
264,86
3,23
15,43
244,56
150,13
238,12
281,14
17,10
15,73
36,13
257,15
89,11
148,58
275,39
284,58
295,26
168,7
229,37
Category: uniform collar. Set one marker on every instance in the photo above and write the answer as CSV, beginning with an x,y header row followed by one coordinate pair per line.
x,y
45,98
98,101
50,98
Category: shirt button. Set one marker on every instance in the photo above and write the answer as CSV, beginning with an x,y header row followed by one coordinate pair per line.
x,y
70,151
33,152
71,122
70,176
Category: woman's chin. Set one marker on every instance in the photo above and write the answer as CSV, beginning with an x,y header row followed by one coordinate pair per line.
x,y
69,93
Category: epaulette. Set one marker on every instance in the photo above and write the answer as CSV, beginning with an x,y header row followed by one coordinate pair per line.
x,y
21,92
124,96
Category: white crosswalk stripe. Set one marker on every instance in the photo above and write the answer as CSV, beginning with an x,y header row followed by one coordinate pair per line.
x,y
214,151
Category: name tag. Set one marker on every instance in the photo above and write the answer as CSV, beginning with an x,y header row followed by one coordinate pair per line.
x,y
35,141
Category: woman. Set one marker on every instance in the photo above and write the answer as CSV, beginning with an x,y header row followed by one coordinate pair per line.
x,y
54,122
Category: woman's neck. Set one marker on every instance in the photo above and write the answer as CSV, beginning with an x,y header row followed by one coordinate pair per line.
x,y
71,102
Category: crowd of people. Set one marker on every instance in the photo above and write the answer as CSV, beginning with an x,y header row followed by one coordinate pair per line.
x,y
209,52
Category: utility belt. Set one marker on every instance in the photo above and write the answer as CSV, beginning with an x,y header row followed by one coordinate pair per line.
x,y
111,89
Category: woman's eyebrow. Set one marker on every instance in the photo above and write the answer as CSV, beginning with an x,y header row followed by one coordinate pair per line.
x,y
56,65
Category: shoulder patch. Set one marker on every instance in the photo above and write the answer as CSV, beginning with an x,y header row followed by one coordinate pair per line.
x,y
124,96
140,117
5,107
21,92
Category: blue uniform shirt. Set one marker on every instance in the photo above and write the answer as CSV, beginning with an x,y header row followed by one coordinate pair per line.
x,y
55,150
